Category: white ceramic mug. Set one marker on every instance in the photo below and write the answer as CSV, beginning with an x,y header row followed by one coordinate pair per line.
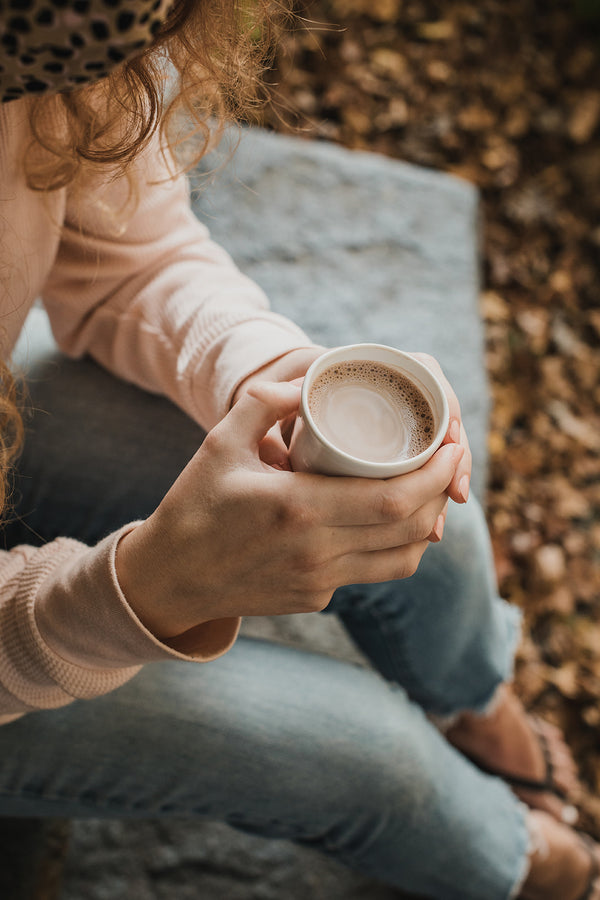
x,y
311,451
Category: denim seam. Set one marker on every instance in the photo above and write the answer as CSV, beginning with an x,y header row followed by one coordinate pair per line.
x,y
96,806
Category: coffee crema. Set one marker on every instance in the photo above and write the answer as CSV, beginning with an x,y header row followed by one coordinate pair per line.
x,y
371,411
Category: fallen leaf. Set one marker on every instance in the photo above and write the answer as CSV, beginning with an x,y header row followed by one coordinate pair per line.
x,y
388,62
549,563
441,30
584,117
565,678
584,431
494,307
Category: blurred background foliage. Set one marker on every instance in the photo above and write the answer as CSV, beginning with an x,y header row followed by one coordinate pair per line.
x,y
588,10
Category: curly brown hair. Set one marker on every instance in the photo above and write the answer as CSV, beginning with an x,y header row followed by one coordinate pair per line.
x,y
205,64
203,68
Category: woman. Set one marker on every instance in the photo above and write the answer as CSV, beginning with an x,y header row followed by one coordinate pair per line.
x,y
127,544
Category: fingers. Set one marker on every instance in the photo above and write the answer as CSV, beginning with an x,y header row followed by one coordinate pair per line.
x,y
316,585
381,565
363,501
458,489
363,539
273,450
437,531
434,366
255,414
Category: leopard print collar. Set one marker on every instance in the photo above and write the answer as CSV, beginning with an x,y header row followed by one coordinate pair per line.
x,y
57,45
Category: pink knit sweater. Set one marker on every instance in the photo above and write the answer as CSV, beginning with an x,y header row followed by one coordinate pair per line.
x,y
158,304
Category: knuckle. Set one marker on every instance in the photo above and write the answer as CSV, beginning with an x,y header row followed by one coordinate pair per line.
x,y
393,506
214,442
411,560
316,601
303,564
309,563
294,514
421,525
408,569
415,556
323,599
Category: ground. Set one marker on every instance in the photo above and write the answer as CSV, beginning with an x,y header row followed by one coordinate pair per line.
x,y
507,95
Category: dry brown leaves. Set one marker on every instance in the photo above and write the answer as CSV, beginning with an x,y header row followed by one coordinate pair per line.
x,y
507,95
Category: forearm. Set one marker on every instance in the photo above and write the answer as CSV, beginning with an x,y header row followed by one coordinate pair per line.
x,y
159,303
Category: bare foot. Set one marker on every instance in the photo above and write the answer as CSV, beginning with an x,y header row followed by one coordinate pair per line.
x,y
564,864
506,741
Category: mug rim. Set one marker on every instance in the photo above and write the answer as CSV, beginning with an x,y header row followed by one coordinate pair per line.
x,y
321,362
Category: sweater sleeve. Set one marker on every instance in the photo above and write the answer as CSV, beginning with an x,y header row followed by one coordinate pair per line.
x,y
67,631
152,298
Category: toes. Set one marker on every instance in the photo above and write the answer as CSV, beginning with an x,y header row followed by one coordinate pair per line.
x,y
549,803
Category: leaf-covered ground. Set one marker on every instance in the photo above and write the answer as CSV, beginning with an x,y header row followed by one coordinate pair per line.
x,y
507,95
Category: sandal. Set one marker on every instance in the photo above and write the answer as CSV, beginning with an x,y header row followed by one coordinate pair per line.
x,y
547,784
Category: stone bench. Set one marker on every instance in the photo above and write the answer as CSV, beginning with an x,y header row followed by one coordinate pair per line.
x,y
353,247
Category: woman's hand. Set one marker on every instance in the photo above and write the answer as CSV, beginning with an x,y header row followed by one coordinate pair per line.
x,y
291,367
235,536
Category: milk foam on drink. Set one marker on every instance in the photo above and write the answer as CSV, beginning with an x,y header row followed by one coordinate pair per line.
x,y
371,411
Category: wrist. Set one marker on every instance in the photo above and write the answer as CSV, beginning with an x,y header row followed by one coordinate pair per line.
x,y
143,581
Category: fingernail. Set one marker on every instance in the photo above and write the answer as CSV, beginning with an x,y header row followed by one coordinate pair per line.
x,y
463,488
569,814
454,431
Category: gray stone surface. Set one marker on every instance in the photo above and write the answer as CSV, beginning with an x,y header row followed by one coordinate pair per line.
x,y
184,860
357,247
353,247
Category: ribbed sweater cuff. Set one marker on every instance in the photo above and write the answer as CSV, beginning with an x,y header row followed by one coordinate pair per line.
x,y
102,629
70,632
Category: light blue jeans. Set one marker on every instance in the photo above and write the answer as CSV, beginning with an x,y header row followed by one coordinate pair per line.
x,y
274,741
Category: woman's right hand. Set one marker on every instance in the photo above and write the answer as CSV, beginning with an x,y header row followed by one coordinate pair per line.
x,y
237,537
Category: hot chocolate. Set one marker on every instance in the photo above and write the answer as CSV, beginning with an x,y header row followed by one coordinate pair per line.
x,y
371,411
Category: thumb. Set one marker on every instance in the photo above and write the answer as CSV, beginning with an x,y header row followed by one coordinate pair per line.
x,y
261,407
273,450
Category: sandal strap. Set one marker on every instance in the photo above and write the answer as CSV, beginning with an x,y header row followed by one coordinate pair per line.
x,y
543,785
